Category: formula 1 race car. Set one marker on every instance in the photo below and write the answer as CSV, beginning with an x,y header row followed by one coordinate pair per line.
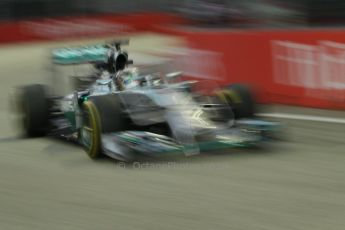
x,y
123,114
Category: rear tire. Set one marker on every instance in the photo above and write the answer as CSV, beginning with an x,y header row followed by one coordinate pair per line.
x,y
102,114
34,108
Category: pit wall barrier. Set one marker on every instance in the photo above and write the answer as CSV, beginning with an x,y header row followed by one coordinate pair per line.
x,y
294,67
81,27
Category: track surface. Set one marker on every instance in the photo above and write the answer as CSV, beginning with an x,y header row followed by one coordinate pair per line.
x,y
298,183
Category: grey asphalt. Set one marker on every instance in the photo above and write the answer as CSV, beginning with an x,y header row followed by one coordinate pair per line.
x,y
296,183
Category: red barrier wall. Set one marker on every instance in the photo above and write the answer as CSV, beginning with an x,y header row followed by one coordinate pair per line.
x,y
305,67
298,67
77,27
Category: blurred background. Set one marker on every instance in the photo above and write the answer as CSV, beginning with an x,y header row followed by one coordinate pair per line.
x,y
292,53
253,12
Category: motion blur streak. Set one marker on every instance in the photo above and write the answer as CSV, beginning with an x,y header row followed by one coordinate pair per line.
x,y
297,183
303,117
285,49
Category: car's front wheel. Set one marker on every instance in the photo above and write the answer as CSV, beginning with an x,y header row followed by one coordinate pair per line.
x,y
241,100
101,114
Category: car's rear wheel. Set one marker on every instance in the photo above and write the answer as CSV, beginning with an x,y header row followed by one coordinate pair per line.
x,y
33,107
101,114
241,100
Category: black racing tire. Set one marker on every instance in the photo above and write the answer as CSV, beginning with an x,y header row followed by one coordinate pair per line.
x,y
241,100
101,114
34,108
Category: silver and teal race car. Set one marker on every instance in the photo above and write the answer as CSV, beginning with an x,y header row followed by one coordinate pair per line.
x,y
124,114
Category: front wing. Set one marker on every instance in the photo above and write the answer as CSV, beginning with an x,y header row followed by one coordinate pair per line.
x,y
127,145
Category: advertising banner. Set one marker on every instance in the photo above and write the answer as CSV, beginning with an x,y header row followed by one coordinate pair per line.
x,y
301,67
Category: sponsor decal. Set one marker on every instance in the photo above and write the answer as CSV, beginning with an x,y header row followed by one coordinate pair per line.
x,y
320,69
196,63
202,64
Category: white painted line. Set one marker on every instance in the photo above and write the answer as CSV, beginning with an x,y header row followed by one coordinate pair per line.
x,y
303,117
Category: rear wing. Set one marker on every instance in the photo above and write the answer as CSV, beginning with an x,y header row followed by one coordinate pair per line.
x,y
80,55
86,54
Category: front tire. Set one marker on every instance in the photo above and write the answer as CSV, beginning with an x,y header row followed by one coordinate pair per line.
x,y
241,100
101,114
